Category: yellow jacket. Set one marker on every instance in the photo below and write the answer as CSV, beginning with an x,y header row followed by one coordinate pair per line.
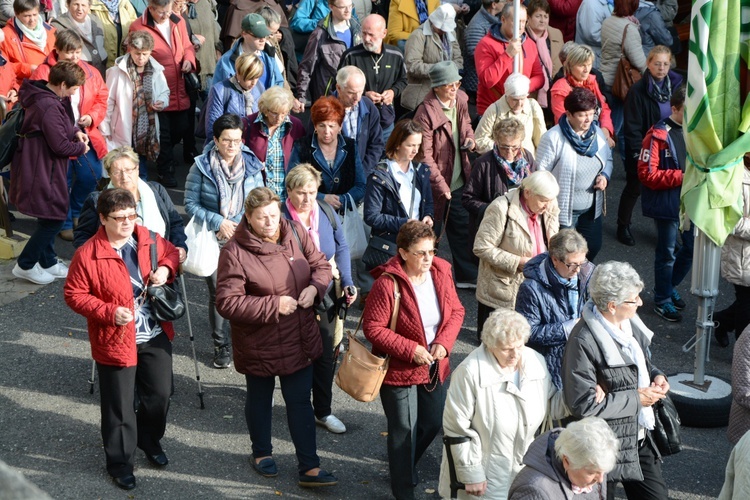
x,y
112,44
403,18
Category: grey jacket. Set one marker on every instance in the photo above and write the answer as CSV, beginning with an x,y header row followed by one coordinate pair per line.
x,y
592,357
653,30
93,51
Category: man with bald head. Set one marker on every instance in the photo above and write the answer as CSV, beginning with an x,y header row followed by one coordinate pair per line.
x,y
383,66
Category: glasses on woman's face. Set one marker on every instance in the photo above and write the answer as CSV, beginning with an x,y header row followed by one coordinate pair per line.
x,y
124,172
508,148
573,266
421,254
346,8
122,218
636,302
230,142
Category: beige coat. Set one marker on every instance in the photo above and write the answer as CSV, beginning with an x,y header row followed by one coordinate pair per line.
x,y
531,116
735,254
423,49
499,417
502,239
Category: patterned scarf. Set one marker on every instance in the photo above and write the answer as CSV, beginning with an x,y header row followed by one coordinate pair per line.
x,y
145,136
421,10
247,94
38,36
516,171
584,146
661,92
113,7
546,58
229,181
314,229
192,12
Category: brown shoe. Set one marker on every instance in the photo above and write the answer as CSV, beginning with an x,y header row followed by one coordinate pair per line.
x,y
66,234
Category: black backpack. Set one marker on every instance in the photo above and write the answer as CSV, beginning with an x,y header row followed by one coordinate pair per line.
x,y
9,134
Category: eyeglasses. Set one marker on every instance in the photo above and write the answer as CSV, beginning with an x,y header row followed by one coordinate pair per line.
x,y
122,218
453,85
634,302
505,147
421,254
230,142
573,266
343,7
123,172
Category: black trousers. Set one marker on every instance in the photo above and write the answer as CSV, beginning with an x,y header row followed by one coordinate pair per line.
x,y
457,229
737,316
652,487
122,427
630,193
415,417
483,312
173,127
322,387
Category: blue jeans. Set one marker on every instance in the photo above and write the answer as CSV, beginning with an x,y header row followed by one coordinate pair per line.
x,y
617,107
143,168
41,246
670,268
296,389
83,174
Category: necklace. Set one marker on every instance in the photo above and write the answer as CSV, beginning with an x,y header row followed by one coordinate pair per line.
x,y
376,63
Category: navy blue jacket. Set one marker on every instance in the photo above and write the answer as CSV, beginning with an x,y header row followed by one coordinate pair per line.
x,y
543,301
383,210
660,170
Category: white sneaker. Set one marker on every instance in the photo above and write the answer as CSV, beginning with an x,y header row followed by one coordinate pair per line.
x,y
36,274
59,270
332,424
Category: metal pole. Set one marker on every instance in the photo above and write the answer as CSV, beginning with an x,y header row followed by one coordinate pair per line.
x,y
704,285
192,339
516,34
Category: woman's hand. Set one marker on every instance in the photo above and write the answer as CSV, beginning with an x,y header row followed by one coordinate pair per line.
x,y
123,316
307,297
333,200
422,357
600,394
650,395
600,183
660,383
351,298
287,305
476,489
608,136
438,352
159,277
157,106
183,254
85,121
226,230
522,263
187,67
428,220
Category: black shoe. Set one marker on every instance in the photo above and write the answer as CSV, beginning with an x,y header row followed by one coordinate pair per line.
x,y
624,236
167,180
222,357
721,336
126,482
322,479
158,460
266,467
677,300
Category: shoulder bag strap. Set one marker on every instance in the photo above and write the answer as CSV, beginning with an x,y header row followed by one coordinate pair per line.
x,y
296,237
154,265
397,303
622,44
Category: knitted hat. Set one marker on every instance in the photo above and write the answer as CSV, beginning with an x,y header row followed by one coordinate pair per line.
x,y
255,25
517,85
443,73
444,18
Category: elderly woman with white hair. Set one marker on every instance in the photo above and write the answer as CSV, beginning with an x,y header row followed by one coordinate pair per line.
x,y
499,396
610,346
571,461
516,227
515,103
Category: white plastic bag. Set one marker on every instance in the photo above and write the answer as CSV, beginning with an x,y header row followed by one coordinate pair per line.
x,y
354,230
203,250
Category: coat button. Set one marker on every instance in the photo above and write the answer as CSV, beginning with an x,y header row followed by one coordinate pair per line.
x,y
95,52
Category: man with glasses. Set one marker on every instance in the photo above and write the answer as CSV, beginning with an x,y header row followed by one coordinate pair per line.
x,y
552,296
333,36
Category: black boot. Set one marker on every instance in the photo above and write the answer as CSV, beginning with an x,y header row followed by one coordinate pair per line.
x,y
721,336
624,236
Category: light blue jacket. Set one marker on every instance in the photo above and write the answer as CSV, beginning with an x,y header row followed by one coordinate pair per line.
x,y
219,103
202,192
225,67
591,15
308,15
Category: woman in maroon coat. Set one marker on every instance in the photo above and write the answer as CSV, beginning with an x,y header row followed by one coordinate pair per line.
x,y
133,351
270,274
39,169
429,319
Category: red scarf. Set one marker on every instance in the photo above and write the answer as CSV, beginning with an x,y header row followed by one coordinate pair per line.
x,y
535,228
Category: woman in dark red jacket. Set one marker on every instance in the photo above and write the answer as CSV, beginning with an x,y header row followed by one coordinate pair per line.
x,y
133,352
270,274
429,319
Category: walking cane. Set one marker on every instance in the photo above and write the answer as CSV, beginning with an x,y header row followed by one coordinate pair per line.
x,y
92,380
192,341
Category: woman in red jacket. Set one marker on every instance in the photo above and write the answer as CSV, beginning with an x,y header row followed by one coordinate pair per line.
x,y
107,284
429,319
89,109
270,275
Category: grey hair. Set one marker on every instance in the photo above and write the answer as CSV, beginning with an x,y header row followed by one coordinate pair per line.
x,y
613,282
504,327
117,154
270,16
578,54
302,175
276,100
566,242
343,75
507,11
512,128
541,183
140,40
566,48
588,443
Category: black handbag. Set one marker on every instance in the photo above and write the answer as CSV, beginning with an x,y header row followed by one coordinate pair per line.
x,y
166,302
666,433
378,252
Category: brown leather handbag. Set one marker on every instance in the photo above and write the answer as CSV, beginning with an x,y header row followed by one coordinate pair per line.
x,y
361,372
626,74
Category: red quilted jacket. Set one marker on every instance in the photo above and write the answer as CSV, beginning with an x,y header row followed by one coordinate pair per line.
x,y
402,343
98,283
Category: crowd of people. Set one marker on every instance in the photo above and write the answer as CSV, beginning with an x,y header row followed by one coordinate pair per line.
x,y
426,119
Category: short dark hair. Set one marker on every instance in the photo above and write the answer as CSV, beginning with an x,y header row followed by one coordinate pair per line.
x,y
114,199
580,99
21,6
678,96
535,5
413,231
227,121
67,72
401,131
67,40
327,109
159,3
625,8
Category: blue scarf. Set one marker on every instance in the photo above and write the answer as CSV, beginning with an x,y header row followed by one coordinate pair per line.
x,y
584,146
113,7
571,289
421,10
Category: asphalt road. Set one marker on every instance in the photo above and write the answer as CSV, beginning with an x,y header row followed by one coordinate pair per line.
x,y
49,423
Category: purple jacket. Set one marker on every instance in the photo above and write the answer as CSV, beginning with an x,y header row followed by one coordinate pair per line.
x,y
255,139
39,170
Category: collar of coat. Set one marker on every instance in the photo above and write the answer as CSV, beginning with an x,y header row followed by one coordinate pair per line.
x,y
103,249
531,367
612,354
148,20
434,108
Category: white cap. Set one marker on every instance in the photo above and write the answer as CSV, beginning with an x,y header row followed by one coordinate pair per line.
x,y
444,18
517,85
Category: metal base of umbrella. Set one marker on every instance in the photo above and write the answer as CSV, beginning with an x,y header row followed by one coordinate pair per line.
x,y
705,405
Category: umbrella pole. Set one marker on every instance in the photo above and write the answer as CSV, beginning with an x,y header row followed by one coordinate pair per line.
x,y
516,34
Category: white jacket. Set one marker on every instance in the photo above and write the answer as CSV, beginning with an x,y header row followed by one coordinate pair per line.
x,y
117,127
499,418
735,254
531,116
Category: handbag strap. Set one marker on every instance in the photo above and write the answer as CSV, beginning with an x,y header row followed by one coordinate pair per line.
x,y
622,44
152,248
397,299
